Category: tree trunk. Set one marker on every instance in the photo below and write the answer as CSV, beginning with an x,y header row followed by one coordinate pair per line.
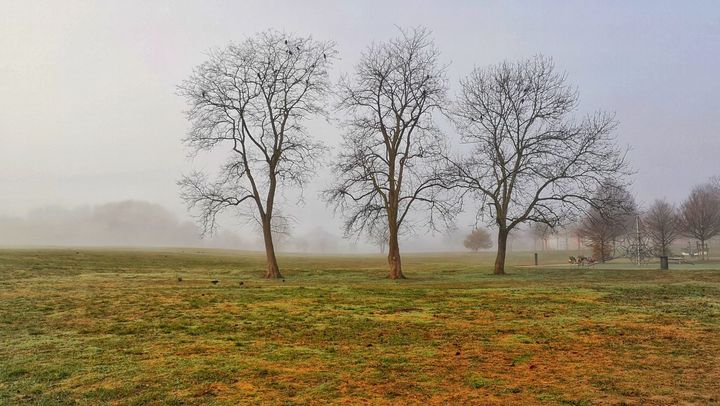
x,y
273,271
602,252
394,256
501,251
707,251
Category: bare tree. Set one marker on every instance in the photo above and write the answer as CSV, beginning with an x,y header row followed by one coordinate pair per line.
x,y
635,243
530,161
391,149
663,226
250,100
478,239
609,217
700,215
542,232
380,237
714,186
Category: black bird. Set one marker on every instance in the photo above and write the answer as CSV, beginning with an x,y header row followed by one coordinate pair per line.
x,y
285,42
283,280
290,52
242,283
324,56
215,281
179,279
298,47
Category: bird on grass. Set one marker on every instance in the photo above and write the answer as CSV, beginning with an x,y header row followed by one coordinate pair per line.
x,y
179,278
215,281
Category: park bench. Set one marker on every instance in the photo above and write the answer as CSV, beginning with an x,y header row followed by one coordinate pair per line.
x,y
679,260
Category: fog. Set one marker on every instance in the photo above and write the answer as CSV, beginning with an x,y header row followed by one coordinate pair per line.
x,y
127,223
142,224
90,123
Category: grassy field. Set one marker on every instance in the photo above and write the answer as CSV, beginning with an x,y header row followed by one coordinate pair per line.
x,y
117,327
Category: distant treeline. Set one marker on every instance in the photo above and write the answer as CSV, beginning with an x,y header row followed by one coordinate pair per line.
x,y
126,223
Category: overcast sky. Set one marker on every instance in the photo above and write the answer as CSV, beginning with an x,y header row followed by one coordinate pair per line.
x,y
89,114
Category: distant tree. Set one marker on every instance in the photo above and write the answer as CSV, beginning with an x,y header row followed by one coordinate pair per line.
x,y
531,162
663,226
380,237
574,234
700,215
609,217
317,240
715,183
635,243
387,168
477,240
542,232
251,100
714,186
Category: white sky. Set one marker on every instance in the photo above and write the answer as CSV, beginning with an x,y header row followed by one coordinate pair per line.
x,y
89,114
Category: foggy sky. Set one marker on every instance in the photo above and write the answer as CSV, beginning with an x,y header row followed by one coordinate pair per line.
x,y
89,112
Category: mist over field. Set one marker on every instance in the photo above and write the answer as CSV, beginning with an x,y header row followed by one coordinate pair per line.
x,y
134,223
127,223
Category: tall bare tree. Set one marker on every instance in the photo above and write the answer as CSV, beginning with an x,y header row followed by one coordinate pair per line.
x,y
250,100
530,161
663,226
700,215
391,149
610,216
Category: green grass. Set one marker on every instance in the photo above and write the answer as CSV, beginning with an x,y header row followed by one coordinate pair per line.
x,y
116,327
